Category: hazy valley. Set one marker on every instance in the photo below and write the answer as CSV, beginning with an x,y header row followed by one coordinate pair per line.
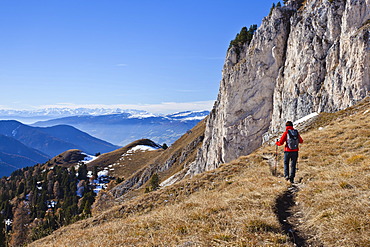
x,y
123,128
26,145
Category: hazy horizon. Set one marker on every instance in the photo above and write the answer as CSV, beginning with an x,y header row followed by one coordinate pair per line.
x,y
160,56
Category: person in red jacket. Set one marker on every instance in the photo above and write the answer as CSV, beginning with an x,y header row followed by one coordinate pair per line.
x,y
290,155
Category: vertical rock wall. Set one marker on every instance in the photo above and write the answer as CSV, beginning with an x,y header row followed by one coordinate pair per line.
x,y
308,56
327,60
242,112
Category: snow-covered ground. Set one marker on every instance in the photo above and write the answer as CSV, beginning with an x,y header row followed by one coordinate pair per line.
x,y
305,118
101,182
88,158
141,148
103,173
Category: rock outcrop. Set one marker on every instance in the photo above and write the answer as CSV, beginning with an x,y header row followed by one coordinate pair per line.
x,y
327,60
307,56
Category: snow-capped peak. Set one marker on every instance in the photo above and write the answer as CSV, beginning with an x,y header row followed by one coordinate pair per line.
x,y
188,115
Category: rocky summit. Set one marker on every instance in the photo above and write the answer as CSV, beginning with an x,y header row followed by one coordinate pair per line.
x,y
306,57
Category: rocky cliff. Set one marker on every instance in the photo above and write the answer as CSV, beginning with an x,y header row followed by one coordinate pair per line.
x,y
307,56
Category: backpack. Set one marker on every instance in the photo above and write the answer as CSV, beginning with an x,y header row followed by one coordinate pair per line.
x,y
292,139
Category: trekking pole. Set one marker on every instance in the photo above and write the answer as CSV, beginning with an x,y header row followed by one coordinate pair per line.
x,y
276,158
296,166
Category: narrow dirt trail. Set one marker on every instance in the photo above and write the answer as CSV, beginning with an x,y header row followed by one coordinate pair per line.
x,y
287,210
284,211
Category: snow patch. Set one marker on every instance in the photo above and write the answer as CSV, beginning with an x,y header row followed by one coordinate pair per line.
x,y
88,158
193,118
301,120
181,114
102,181
141,148
142,115
15,131
187,115
103,173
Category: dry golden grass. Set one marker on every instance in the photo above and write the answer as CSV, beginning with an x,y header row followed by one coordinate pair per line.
x,y
234,205
125,166
68,159
231,206
335,195
138,167
183,151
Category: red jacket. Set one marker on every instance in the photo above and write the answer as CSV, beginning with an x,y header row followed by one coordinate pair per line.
x,y
284,138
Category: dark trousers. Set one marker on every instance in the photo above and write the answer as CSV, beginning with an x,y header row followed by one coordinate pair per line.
x,y
290,157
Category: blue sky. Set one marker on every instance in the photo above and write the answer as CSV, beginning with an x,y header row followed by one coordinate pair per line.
x,y
162,56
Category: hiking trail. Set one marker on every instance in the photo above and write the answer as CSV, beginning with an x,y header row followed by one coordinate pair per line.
x,y
288,218
287,210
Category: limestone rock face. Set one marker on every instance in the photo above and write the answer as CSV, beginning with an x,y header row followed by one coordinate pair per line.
x,y
327,60
243,109
307,56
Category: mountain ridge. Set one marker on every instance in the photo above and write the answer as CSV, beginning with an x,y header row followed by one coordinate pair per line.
x,y
125,128
15,155
40,144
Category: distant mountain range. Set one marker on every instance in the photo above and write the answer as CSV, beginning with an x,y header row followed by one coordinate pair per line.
x,y
22,145
32,116
64,112
124,128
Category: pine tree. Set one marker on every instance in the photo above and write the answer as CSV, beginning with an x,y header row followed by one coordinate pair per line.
x,y
7,209
86,202
272,8
245,36
154,182
95,172
82,172
20,189
164,146
2,232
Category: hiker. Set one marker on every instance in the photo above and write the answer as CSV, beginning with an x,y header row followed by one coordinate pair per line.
x,y
292,139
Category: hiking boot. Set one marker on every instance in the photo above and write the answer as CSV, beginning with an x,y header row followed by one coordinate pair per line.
x,y
291,180
287,178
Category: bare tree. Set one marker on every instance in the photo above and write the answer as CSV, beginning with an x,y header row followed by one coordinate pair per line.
x,y
19,236
56,189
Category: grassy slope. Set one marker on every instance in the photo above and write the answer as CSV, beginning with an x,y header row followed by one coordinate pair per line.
x,y
234,205
68,159
127,165
166,164
336,178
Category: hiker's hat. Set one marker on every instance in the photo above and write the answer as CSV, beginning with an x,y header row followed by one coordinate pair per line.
x,y
289,123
